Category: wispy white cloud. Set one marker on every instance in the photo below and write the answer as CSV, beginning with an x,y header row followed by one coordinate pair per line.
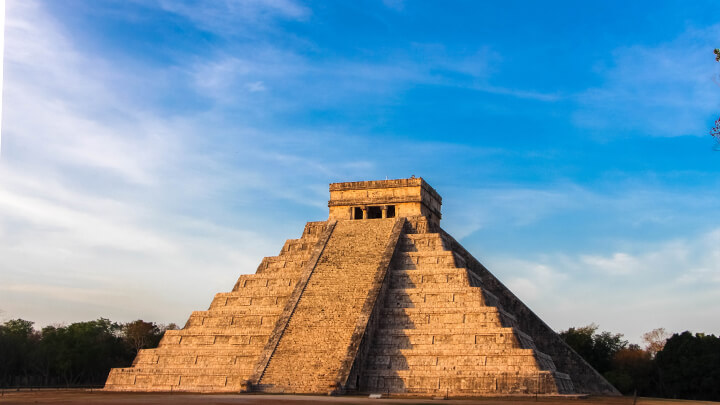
x,y
256,86
632,291
93,190
302,83
71,133
397,5
625,202
661,90
617,263
237,17
87,296
512,205
520,93
101,191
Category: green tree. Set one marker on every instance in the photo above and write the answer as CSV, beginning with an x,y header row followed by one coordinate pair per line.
x,y
655,340
81,353
632,369
598,349
84,352
18,340
142,335
689,367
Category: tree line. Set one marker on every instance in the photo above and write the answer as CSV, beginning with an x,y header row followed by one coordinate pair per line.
x,y
78,354
682,366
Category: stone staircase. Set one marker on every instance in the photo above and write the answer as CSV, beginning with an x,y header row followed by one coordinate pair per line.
x,y
323,330
440,334
218,348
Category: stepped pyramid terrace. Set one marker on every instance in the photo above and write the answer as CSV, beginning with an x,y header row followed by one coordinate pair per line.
x,y
377,299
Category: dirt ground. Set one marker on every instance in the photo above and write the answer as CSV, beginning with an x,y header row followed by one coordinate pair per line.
x,y
71,397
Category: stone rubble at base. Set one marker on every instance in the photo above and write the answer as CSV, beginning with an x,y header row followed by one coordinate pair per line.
x,y
377,299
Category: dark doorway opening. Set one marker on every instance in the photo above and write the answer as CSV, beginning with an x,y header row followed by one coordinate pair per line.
x,y
357,213
391,211
374,212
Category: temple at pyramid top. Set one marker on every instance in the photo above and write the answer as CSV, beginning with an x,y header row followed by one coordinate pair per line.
x,y
384,199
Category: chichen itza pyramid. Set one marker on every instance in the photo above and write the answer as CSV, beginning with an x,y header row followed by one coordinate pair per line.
x,y
377,299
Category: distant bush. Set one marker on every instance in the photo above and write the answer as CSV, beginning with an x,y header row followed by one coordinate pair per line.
x,y
689,367
81,353
684,366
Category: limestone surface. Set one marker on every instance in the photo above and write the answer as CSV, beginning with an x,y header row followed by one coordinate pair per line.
x,y
376,299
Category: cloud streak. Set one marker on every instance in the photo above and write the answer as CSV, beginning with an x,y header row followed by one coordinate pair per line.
x,y
90,203
661,90
631,291
235,17
151,186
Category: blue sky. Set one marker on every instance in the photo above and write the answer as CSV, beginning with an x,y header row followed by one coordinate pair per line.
x,y
152,151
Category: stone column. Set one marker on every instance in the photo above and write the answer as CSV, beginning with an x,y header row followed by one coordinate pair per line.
x,y
364,212
384,211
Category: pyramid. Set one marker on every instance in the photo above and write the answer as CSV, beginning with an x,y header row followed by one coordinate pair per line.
x,y
377,299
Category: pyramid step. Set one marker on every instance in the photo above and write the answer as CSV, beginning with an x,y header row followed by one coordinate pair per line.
x,y
298,246
458,373
293,387
424,259
501,338
292,262
426,254
461,332
288,259
267,280
464,305
206,380
435,288
215,331
272,278
401,278
413,318
219,339
437,294
260,298
281,264
469,314
240,310
313,229
441,310
218,371
199,362
454,329
451,350
468,382
232,320
384,357
453,366
207,350
421,242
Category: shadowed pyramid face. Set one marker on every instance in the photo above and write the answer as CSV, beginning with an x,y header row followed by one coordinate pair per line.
x,y
384,199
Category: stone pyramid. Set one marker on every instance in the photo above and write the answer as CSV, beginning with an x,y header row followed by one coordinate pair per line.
x,y
376,299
